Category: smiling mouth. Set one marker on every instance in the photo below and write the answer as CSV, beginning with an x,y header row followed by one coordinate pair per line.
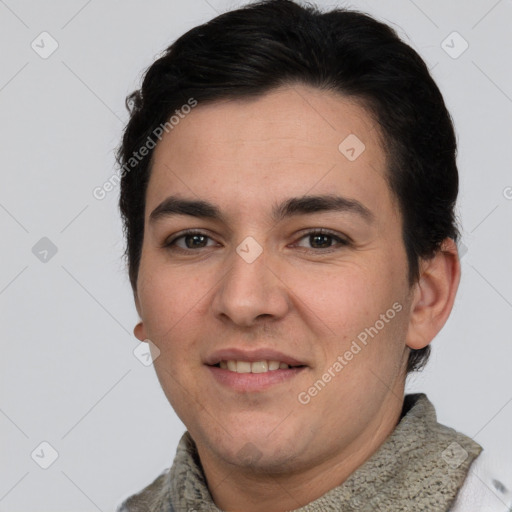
x,y
264,366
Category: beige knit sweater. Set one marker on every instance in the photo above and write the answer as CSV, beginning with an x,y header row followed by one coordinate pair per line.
x,y
420,467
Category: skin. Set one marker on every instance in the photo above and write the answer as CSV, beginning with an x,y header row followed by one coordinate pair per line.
x,y
297,297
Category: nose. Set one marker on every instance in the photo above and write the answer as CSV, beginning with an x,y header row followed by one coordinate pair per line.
x,y
251,291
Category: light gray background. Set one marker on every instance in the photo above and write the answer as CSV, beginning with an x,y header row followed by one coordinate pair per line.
x,y
68,373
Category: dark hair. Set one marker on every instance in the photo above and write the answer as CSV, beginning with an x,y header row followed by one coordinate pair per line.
x,y
252,50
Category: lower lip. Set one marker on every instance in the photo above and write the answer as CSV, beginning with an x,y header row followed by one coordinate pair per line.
x,y
252,382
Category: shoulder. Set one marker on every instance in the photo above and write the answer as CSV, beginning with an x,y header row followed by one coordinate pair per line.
x,y
484,489
153,498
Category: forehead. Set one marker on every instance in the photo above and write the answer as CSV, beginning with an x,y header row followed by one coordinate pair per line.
x,y
247,154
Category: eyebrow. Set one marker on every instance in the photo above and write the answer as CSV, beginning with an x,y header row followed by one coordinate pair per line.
x,y
294,206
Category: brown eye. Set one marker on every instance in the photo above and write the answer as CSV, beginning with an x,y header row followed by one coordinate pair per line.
x,y
191,240
195,241
323,239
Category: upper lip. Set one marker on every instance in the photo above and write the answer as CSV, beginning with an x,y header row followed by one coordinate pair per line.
x,y
261,354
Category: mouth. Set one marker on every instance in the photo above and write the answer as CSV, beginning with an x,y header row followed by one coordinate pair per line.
x,y
252,371
263,366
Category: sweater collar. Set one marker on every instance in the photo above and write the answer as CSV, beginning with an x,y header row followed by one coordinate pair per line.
x,y
420,466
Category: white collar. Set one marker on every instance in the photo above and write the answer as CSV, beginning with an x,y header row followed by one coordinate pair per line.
x,y
482,490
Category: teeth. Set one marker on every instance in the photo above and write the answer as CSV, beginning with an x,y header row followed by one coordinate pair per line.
x,y
254,367
273,365
243,367
258,367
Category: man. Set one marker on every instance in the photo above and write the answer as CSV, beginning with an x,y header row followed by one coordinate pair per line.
x,y
288,193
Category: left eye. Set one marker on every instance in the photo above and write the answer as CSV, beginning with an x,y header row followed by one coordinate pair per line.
x,y
322,239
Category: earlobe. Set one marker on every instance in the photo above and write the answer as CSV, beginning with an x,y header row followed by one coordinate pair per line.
x,y
434,295
140,332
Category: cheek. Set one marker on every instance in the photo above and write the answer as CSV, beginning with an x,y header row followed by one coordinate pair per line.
x,y
359,311
344,297
168,300
171,303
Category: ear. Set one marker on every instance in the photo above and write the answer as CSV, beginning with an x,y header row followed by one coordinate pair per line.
x,y
434,295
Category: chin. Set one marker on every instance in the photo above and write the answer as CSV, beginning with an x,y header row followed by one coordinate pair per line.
x,y
263,459
257,449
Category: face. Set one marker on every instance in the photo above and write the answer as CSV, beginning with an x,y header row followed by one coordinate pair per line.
x,y
266,275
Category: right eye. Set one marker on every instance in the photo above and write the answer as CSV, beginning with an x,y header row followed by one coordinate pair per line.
x,y
193,240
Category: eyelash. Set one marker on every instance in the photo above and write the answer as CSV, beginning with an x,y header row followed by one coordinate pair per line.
x,y
170,244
